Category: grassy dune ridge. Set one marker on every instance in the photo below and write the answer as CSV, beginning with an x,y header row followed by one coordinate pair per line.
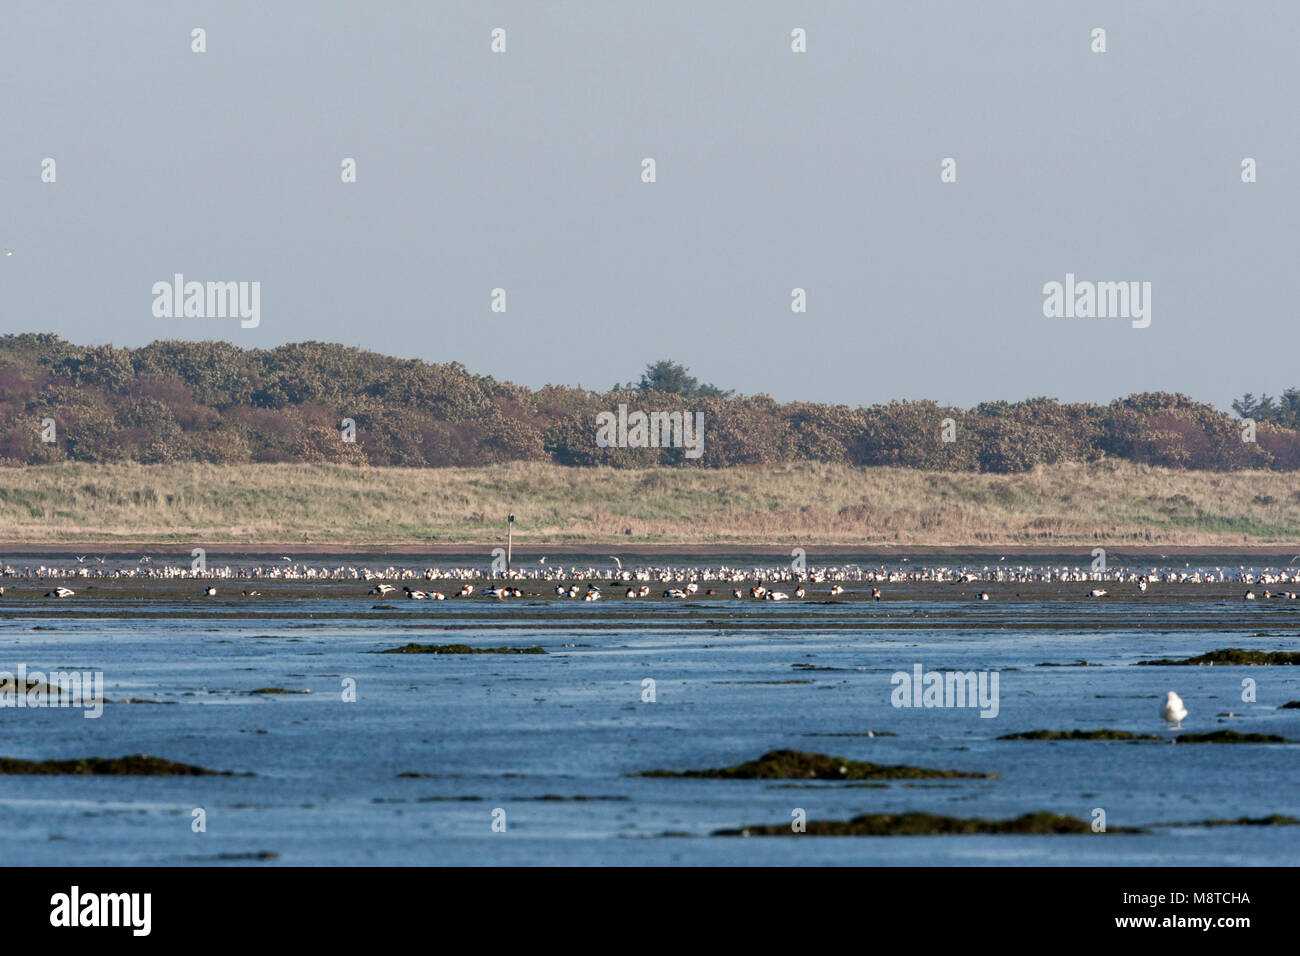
x,y
804,504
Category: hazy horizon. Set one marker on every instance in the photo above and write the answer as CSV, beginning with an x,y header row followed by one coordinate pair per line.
x,y
775,170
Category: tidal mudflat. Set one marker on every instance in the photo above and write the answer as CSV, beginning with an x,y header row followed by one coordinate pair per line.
x,y
410,758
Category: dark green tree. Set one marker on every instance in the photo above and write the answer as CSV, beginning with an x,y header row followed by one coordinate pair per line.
x,y
673,378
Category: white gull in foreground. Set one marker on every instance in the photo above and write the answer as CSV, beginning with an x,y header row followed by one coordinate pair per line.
x,y
1173,711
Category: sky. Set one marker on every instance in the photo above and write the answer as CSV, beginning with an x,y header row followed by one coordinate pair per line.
x,y
774,170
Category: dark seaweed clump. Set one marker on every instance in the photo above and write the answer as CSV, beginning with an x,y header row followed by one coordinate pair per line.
x,y
1234,655
1231,737
277,690
928,824
1078,735
459,649
1078,663
1273,820
136,765
798,765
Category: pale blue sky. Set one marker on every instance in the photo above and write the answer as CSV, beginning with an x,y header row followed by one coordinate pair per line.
x,y
775,170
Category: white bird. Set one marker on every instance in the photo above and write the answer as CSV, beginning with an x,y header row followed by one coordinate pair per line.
x,y
1249,596
984,595
1097,592
1173,712
61,592
382,589
9,252
209,591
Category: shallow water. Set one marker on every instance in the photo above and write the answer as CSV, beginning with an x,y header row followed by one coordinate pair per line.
x,y
516,731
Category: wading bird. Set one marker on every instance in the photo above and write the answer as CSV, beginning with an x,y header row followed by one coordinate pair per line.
x,y
1173,712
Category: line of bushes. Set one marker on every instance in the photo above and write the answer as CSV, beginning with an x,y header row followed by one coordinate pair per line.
x,y
215,402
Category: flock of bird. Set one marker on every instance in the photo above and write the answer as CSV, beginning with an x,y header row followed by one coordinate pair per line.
x,y
679,582
686,580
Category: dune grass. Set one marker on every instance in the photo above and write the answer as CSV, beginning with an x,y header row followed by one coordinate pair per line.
x,y
1114,502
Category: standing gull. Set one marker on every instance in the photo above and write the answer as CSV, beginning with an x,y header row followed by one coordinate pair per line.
x,y
1173,712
